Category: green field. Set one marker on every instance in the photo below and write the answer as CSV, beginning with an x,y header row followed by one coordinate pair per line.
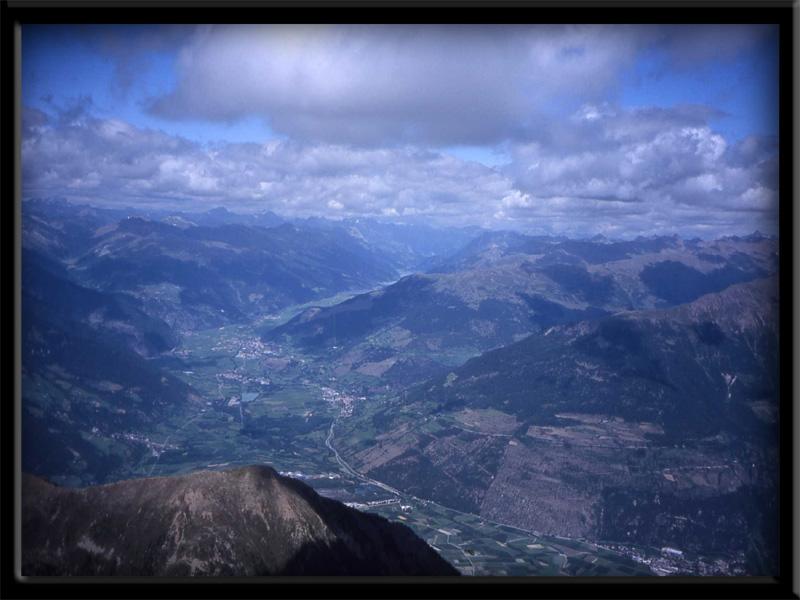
x,y
284,423
482,548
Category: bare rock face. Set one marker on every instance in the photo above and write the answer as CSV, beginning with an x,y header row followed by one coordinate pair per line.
x,y
245,521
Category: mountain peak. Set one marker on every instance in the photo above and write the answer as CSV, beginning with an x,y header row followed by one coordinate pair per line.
x,y
600,239
240,521
219,211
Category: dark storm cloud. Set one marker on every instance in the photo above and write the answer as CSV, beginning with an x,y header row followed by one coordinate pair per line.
x,y
400,84
32,120
132,47
439,85
70,110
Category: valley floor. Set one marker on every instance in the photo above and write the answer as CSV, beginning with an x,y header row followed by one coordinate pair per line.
x,y
266,404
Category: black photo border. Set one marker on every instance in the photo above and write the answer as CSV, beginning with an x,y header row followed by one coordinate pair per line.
x,y
15,14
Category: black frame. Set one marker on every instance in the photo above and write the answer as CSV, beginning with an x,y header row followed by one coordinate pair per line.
x,y
14,14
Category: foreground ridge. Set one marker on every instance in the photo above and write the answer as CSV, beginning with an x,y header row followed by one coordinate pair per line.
x,y
243,521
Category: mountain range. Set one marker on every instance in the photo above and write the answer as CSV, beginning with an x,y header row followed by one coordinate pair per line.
x,y
106,290
619,391
505,286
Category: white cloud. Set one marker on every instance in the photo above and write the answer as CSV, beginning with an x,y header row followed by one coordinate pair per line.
x,y
615,172
645,169
107,162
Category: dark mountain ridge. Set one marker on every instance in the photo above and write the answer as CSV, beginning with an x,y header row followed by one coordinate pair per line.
x,y
411,247
651,427
199,277
78,381
405,246
245,521
119,316
84,371
489,245
669,363
509,288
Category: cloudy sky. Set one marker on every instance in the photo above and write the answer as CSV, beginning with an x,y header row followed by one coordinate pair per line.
x,y
577,130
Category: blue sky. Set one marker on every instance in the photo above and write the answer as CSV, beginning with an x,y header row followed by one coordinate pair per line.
x,y
620,130
60,67
744,87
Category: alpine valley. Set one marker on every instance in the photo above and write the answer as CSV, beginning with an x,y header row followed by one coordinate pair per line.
x,y
526,405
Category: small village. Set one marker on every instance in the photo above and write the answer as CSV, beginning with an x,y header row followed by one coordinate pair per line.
x,y
672,561
253,348
347,402
301,475
155,448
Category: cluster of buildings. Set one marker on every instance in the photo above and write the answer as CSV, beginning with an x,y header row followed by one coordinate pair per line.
x,y
672,561
372,503
301,475
232,375
346,402
254,348
154,447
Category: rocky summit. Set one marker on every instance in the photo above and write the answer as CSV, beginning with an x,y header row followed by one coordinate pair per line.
x,y
244,521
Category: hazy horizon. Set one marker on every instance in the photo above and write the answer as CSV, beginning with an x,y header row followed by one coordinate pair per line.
x,y
161,213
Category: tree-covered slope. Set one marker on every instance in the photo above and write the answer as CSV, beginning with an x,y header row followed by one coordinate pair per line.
x,y
508,288
650,427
